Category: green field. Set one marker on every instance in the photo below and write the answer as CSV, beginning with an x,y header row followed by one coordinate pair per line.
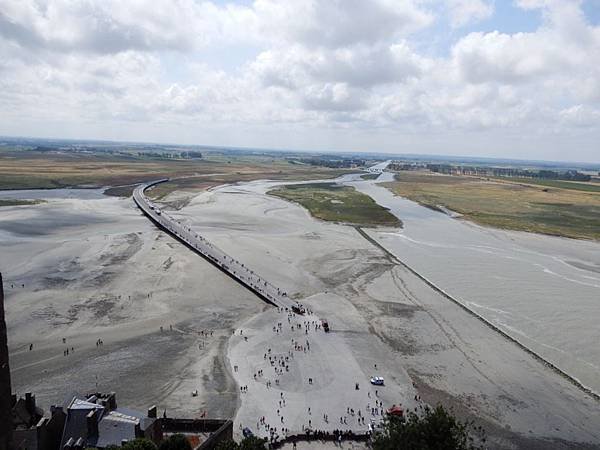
x,y
20,169
515,206
335,203
561,184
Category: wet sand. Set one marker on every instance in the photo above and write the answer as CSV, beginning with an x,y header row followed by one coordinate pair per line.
x,y
378,311
381,313
89,266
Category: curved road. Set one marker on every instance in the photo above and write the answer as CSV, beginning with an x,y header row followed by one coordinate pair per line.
x,y
234,268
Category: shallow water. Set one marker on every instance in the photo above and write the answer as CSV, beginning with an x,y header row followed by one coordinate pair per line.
x,y
66,208
543,290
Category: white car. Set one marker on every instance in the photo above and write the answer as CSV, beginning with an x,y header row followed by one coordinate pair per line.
x,y
377,381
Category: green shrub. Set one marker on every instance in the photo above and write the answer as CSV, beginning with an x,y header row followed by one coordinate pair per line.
x,y
139,444
248,443
435,429
175,442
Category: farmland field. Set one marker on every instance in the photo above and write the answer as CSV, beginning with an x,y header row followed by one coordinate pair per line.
x,y
49,170
515,206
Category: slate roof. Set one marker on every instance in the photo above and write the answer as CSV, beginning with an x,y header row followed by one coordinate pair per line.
x,y
113,426
76,421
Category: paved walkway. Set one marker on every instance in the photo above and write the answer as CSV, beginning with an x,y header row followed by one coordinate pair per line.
x,y
239,271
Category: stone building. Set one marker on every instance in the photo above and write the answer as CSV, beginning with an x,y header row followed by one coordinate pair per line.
x,y
33,431
96,421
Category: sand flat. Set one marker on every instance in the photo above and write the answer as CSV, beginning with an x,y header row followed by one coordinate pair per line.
x,y
379,313
449,355
105,272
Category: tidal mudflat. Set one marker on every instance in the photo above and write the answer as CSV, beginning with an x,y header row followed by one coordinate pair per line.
x,y
380,314
106,273
86,267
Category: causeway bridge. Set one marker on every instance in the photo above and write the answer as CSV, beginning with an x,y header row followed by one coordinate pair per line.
x,y
232,267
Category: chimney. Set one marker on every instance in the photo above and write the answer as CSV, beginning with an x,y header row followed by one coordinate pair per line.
x,y
152,412
30,403
112,401
6,400
69,444
79,444
92,423
138,430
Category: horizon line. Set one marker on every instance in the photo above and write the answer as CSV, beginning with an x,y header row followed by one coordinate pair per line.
x,y
292,150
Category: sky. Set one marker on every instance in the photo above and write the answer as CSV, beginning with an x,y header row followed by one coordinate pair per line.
x,y
500,78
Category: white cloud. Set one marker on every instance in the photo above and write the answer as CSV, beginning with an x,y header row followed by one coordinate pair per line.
x,y
581,116
463,12
317,65
111,26
108,26
339,23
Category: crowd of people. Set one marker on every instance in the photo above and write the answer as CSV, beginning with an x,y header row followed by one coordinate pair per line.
x,y
280,363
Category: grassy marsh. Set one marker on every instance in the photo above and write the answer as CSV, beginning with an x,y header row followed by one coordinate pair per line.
x,y
19,202
335,203
515,206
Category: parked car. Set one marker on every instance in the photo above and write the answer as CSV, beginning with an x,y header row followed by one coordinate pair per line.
x,y
377,381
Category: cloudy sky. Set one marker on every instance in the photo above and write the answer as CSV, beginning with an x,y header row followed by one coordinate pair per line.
x,y
469,77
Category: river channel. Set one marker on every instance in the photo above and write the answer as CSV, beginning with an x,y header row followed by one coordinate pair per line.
x,y
542,290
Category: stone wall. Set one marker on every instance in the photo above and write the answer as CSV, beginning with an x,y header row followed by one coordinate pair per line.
x,y
5,386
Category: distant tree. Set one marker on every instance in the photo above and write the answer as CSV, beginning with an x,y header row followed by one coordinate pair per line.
x,y
253,443
175,442
139,444
227,445
435,429
248,443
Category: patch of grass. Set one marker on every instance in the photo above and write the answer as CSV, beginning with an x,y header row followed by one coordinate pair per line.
x,y
514,206
370,176
335,203
17,202
120,191
560,184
